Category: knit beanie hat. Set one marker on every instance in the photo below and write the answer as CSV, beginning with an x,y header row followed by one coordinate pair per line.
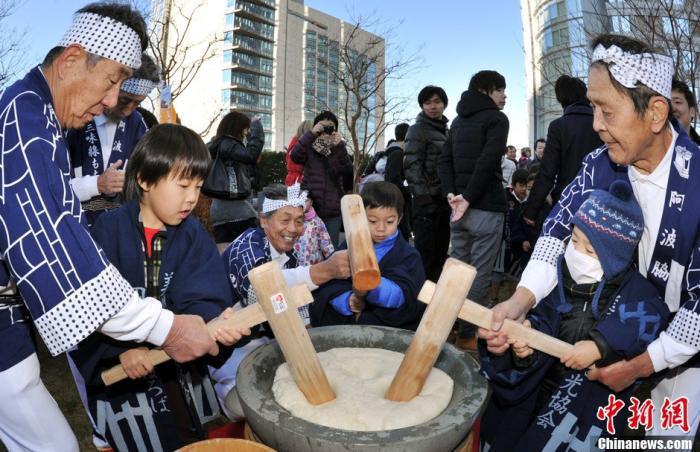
x,y
613,222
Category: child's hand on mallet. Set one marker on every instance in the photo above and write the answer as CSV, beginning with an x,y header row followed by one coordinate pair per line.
x,y
582,356
135,362
520,348
226,335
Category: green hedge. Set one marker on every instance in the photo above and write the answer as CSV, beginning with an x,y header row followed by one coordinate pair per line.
x,y
271,169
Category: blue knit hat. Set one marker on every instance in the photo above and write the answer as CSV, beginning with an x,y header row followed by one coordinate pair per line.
x,y
613,222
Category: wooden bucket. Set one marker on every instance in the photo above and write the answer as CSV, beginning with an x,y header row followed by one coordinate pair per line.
x,y
226,445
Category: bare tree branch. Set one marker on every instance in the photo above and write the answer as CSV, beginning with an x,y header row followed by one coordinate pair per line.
x,y
180,60
12,49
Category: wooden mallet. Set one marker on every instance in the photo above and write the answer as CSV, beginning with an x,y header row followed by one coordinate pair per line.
x,y
247,317
363,260
452,288
480,316
291,334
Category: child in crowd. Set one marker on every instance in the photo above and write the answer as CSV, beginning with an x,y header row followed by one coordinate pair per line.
x,y
313,246
394,303
522,235
603,306
161,250
505,269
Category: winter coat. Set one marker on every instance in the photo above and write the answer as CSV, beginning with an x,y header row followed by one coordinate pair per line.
x,y
424,141
394,172
569,139
326,178
295,172
245,156
470,163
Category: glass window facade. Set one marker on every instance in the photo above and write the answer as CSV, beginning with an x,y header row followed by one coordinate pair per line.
x,y
247,61
250,81
252,44
255,27
322,90
256,10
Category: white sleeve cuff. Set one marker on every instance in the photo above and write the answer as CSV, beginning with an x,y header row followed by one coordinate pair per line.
x,y
299,275
540,278
85,187
666,352
141,319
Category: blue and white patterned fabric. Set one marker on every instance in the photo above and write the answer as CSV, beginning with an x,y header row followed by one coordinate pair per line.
x,y
675,265
251,249
86,150
68,286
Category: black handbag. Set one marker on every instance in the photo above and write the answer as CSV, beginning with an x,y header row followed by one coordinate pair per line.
x,y
226,181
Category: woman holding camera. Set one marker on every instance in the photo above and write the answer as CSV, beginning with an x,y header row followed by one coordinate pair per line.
x,y
230,218
327,169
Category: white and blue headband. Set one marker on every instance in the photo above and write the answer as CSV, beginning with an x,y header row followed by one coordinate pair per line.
x,y
105,37
138,86
296,197
652,69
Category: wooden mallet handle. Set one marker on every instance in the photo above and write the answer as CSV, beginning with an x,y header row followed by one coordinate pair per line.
x,y
479,315
247,317
452,288
363,260
292,337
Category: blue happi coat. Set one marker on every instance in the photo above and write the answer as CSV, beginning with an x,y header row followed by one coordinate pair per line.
x,y
251,249
86,150
675,266
394,303
138,414
542,405
60,272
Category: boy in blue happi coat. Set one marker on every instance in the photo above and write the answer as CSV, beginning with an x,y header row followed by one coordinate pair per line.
x,y
160,249
394,303
605,308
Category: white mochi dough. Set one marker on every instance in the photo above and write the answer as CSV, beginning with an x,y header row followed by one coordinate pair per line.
x,y
360,377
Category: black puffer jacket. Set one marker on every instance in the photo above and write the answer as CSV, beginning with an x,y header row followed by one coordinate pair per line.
x,y
569,139
424,141
470,163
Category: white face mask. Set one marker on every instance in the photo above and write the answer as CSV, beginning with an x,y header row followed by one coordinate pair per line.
x,y
584,269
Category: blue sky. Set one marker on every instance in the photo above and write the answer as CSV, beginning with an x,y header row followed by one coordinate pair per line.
x,y
454,38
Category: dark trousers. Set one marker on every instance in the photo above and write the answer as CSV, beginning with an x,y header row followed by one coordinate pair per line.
x,y
431,230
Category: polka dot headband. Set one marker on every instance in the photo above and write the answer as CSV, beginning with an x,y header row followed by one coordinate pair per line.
x,y
105,37
138,86
296,197
651,69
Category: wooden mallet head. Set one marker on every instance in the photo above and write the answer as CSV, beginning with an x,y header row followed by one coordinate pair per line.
x,y
363,260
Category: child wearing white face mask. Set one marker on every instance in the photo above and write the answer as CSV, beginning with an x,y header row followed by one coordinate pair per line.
x,y
603,306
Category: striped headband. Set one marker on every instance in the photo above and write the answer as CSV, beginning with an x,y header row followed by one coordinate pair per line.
x,y
296,197
652,69
105,37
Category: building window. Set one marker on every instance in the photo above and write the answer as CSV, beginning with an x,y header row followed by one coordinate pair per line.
x,y
259,64
259,28
257,10
256,45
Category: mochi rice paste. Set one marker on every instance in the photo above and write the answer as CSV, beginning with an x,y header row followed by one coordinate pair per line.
x,y
360,377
